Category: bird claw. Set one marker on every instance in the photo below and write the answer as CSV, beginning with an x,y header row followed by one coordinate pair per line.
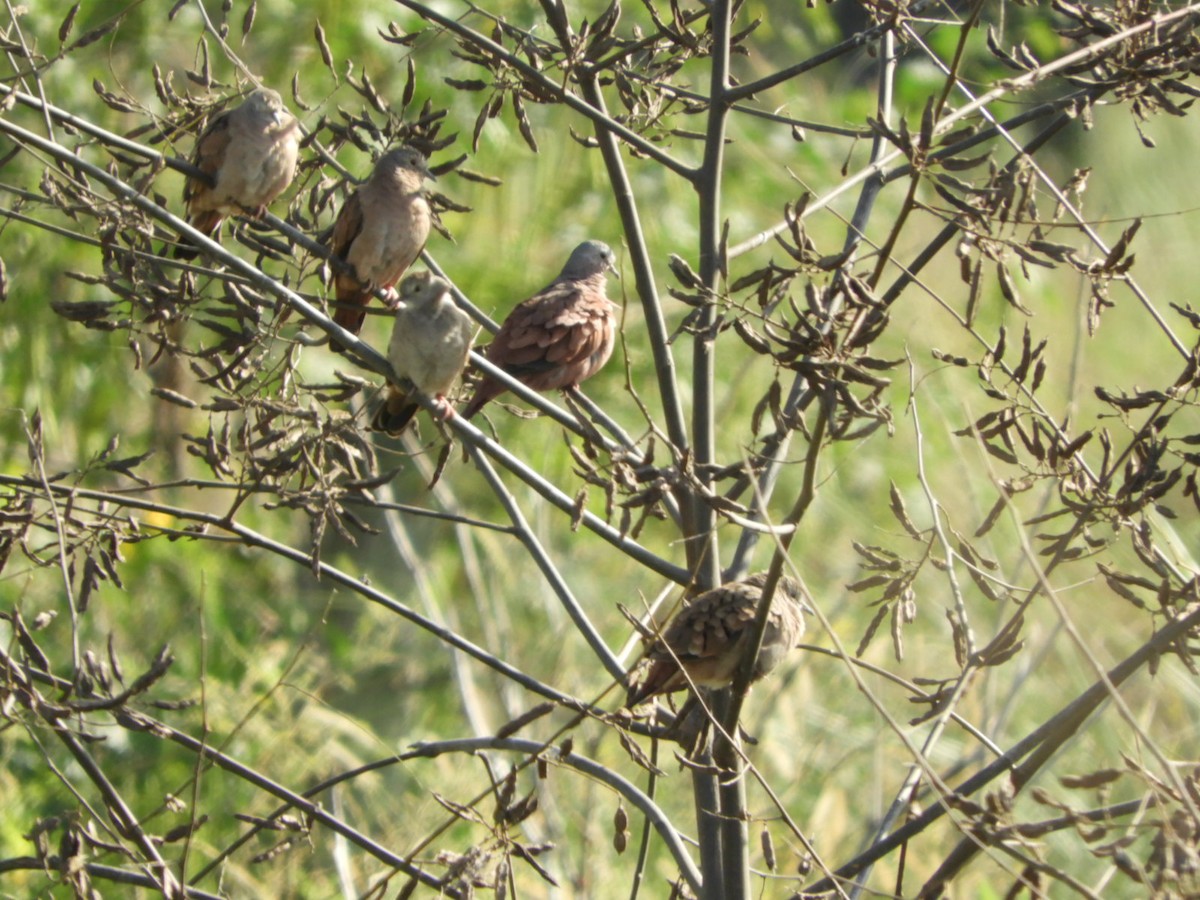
x,y
445,412
391,297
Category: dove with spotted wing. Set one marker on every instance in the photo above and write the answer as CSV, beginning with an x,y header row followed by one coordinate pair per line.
x,y
704,641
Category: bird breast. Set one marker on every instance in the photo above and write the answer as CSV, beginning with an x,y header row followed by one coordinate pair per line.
x,y
257,168
398,227
430,350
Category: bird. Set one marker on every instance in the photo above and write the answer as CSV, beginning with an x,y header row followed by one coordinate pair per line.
x,y
431,339
561,335
379,232
250,155
705,640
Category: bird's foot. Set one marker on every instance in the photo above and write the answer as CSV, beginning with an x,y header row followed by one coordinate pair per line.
x,y
445,411
391,297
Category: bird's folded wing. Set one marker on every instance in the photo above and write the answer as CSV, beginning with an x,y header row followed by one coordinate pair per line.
x,y
561,326
208,157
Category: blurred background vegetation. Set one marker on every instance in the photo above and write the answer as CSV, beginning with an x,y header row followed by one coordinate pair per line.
x,y
301,679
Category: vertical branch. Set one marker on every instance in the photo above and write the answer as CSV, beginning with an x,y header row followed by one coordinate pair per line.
x,y
703,546
639,258
708,823
733,882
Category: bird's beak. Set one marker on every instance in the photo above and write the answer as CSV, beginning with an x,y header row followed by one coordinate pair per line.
x,y
612,267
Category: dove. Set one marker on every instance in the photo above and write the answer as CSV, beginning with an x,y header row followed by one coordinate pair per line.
x,y
250,154
379,232
561,335
707,638
431,339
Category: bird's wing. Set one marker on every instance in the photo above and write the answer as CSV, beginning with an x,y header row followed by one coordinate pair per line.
x,y
563,325
208,156
347,226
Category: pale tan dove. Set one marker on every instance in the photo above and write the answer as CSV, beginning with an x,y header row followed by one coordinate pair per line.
x,y
707,638
430,341
561,335
380,231
250,154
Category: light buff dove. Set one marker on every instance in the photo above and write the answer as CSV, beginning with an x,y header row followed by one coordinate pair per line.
x,y
707,638
431,339
561,335
379,232
250,154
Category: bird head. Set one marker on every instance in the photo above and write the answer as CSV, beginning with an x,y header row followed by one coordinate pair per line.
x,y
589,259
405,157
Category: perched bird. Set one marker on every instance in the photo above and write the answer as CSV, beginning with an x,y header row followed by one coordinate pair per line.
x,y
380,231
707,637
561,335
250,155
430,342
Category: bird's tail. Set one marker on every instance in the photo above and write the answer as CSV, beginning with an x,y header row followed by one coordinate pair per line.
x,y
395,412
485,391
207,224
350,314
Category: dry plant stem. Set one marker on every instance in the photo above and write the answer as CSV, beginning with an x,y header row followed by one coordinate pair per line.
x,y
252,538
28,54
629,791
723,835
639,869
706,563
1008,86
857,230
706,799
908,790
106,873
551,87
36,452
647,292
935,516
799,397
1039,745
123,824
553,577
349,500
1061,199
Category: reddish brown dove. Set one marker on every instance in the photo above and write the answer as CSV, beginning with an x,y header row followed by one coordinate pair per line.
x,y
561,335
380,231
431,339
707,637
250,155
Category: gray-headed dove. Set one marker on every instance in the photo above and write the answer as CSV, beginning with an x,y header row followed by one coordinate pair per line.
x,y
561,335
